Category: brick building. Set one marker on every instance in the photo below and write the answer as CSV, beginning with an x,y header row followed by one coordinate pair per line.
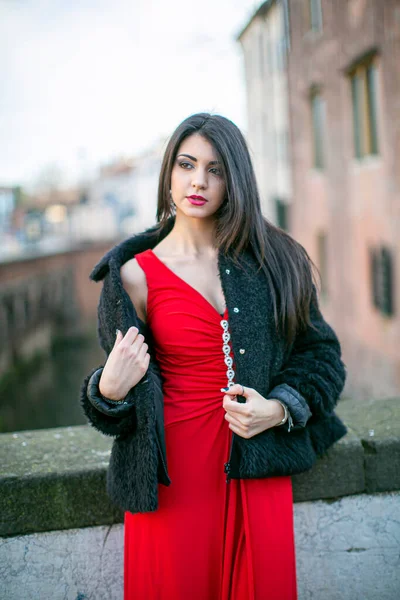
x,y
344,106
265,42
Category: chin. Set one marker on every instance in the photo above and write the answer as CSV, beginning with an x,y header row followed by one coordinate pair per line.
x,y
200,212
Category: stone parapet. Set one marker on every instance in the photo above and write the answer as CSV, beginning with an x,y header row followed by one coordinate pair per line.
x,y
54,479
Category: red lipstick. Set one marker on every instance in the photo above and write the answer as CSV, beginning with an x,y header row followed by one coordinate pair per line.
x,y
196,200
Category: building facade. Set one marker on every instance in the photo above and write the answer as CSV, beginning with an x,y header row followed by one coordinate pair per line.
x,y
265,43
344,104
323,93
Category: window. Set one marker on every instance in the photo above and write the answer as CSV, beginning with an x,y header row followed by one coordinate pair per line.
x,y
318,126
280,46
277,151
270,55
264,132
261,54
285,146
281,147
315,13
282,216
382,284
363,79
323,262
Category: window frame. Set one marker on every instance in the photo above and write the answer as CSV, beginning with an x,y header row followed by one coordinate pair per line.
x,y
322,253
363,77
315,16
382,275
318,125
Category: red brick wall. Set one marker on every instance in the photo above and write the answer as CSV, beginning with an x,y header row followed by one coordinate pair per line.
x,y
357,204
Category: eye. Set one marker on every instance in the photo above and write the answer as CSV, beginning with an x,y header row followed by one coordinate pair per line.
x,y
216,171
183,163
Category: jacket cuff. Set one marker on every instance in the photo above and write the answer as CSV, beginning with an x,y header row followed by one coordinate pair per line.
x,y
111,408
295,403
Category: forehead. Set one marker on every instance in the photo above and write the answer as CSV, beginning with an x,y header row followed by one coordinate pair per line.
x,y
198,147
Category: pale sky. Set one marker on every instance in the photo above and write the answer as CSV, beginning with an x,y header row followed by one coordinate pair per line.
x,y
83,81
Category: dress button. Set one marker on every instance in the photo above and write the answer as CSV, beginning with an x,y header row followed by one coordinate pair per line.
x,y
227,271
236,310
242,350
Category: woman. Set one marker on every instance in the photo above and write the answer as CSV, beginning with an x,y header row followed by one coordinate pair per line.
x,y
220,361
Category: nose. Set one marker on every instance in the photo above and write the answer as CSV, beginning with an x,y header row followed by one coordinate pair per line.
x,y
199,179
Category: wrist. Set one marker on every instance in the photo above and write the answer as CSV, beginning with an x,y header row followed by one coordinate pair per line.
x,y
282,413
108,396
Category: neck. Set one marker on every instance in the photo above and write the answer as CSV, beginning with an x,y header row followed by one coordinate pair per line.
x,y
192,236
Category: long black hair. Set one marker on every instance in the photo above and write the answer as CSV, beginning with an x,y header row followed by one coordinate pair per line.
x,y
240,223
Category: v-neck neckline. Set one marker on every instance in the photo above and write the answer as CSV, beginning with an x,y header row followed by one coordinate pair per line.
x,y
221,316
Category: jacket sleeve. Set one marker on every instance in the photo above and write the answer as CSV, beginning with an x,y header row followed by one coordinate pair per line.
x,y
109,417
113,418
313,375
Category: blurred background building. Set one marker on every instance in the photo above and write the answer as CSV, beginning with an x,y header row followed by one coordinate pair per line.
x,y
323,88
321,82
266,41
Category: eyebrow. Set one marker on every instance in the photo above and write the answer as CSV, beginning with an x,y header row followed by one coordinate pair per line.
x,y
212,162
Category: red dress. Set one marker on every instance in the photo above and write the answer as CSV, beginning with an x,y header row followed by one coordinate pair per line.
x,y
208,540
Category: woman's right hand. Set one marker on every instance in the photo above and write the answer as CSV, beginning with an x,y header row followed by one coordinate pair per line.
x,y
126,364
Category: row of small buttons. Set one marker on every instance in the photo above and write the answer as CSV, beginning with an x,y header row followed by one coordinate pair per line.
x,y
226,336
230,373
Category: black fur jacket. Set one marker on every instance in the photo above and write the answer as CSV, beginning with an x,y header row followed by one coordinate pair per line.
x,y
307,377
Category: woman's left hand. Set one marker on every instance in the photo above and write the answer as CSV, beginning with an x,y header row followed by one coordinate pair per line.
x,y
254,416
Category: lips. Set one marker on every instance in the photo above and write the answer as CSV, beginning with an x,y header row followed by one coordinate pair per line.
x,y
197,200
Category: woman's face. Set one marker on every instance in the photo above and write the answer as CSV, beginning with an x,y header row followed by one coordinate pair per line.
x,y
197,172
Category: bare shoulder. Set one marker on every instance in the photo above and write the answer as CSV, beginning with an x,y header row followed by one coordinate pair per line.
x,y
132,274
134,282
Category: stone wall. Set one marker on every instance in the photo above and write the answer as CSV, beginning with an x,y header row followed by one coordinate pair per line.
x,y
347,548
62,538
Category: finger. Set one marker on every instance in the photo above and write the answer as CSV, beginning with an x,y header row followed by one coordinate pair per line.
x,y
234,406
138,343
147,361
142,352
238,430
231,419
118,337
131,335
235,390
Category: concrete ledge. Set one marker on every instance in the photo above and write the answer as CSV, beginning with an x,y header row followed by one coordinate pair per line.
x,y
54,479
347,549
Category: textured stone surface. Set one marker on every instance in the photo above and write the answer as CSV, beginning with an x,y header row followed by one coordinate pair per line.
x,y
347,549
55,478
52,451
373,419
377,424
76,564
339,473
